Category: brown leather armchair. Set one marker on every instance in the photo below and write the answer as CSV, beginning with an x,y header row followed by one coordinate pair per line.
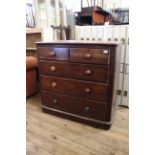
x,y
31,75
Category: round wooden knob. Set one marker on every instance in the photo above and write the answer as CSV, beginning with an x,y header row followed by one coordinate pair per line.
x,y
54,84
52,54
53,68
123,40
88,55
116,39
109,39
87,90
105,51
88,72
87,108
55,101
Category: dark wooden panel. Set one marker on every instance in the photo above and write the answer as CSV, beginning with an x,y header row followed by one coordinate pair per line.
x,y
114,74
82,107
54,68
79,88
94,73
52,53
74,70
95,124
95,56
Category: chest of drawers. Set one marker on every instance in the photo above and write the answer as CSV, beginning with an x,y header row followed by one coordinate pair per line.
x,y
78,80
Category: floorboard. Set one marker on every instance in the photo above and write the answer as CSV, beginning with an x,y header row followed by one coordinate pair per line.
x,y
50,135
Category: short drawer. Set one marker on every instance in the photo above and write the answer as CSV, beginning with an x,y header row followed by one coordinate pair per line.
x,y
74,70
74,105
88,72
56,68
94,56
79,88
53,53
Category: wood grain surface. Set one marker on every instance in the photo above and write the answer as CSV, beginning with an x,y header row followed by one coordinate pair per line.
x,y
50,135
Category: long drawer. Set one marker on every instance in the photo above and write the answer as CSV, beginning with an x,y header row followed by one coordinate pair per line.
x,y
77,106
53,53
91,90
93,56
73,70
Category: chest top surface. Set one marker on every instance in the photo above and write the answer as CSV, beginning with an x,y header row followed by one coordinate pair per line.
x,y
75,42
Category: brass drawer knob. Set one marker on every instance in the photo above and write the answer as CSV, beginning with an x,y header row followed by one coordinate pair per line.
x,y
88,72
55,101
54,84
87,108
88,55
53,68
52,54
87,90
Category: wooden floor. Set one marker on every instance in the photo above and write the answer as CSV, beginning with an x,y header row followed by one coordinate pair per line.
x,y
50,135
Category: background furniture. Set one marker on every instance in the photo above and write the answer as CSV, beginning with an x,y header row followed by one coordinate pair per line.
x,y
97,12
31,75
32,35
93,16
79,80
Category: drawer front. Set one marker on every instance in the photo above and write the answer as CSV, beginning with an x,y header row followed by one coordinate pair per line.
x,y
90,72
52,53
77,88
82,107
54,68
73,70
95,56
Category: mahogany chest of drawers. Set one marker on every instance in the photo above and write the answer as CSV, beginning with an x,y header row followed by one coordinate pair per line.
x,y
78,80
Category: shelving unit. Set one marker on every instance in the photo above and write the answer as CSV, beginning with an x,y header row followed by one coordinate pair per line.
x,y
32,35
